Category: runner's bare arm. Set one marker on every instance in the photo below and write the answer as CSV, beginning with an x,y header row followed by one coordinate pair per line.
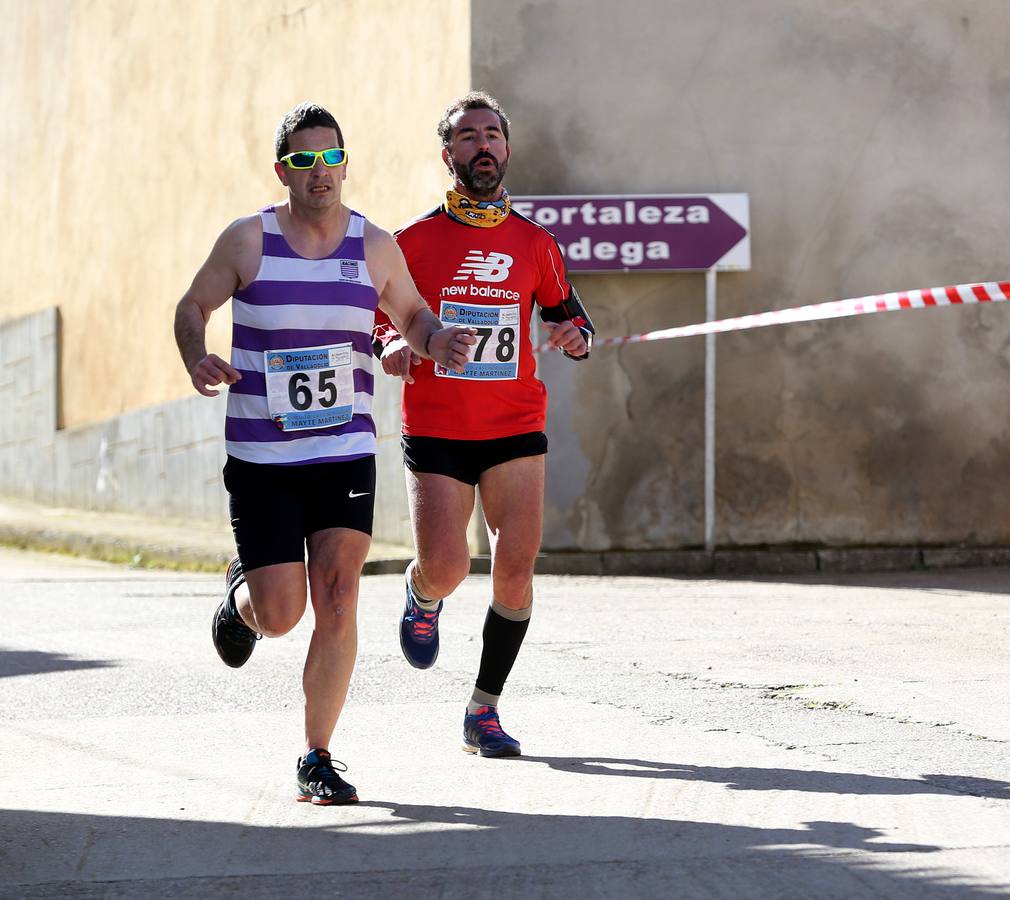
x,y
215,282
397,358
399,299
393,351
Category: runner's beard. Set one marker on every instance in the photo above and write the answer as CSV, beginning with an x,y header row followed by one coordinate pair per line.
x,y
482,182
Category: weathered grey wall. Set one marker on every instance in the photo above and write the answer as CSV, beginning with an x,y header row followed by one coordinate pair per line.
x,y
29,360
160,460
874,141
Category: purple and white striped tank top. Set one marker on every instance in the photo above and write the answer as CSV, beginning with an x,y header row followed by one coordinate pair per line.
x,y
302,339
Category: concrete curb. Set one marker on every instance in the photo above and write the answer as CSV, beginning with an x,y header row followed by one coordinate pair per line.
x,y
769,561
145,555
114,549
723,563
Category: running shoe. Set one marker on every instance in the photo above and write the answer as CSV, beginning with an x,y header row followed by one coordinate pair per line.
x,y
319,783
419,632
233,639
482,733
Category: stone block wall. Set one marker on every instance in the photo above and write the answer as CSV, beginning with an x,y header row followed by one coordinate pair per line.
x,y
162,460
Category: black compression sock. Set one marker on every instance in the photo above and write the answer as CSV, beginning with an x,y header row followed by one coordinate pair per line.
x,y
504,630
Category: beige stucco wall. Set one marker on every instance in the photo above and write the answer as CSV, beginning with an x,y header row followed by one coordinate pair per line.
x,y
134,132
874,141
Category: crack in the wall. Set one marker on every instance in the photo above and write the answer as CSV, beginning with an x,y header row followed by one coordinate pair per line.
x,y
287,19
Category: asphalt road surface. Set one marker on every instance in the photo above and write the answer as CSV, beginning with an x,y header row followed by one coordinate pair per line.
x,y
681,737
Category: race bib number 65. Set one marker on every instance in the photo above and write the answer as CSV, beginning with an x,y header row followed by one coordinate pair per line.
x,y
310,387
495,356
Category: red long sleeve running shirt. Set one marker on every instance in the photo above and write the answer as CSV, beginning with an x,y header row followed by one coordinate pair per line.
x,y
488,279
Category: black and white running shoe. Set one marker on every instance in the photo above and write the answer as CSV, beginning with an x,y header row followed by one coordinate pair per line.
x,y
233,639
319,782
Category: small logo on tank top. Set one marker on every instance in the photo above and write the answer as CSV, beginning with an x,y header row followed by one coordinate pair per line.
x,y
276,362
349,270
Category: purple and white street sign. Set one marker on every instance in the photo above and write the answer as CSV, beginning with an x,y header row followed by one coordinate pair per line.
x,y
640,233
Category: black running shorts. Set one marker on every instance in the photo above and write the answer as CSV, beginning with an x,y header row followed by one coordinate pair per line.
x,y
275,508
466,461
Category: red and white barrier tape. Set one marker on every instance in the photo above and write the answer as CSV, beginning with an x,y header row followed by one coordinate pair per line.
x,y
985,292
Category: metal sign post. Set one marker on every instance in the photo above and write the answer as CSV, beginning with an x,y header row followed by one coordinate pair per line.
x,y
710,316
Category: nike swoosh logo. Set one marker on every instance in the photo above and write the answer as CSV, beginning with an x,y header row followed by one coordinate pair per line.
x,y
362,494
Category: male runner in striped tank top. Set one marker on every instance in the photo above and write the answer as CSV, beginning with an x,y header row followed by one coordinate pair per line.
x,y
306,277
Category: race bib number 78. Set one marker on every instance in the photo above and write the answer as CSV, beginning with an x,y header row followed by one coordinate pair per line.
x,y
495,356
310,387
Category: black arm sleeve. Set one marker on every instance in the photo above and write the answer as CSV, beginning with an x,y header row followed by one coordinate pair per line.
x,y
571,309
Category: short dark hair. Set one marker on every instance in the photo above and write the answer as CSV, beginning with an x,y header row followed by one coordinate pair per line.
x,y
304,115
473,100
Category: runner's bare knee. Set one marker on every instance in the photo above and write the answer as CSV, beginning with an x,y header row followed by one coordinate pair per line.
x,y
439,574
279,614
334,602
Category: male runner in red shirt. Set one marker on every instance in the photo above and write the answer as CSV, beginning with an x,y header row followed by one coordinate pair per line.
x,y
482,266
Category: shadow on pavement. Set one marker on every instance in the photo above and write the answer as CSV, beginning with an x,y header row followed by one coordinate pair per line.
x,y
381,847
39,662
754,779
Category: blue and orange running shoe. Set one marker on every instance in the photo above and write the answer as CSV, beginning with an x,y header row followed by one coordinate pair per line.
x,y
482,733
319,783
419,632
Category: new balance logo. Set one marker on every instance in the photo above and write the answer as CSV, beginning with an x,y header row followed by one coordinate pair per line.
x,y
493,267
